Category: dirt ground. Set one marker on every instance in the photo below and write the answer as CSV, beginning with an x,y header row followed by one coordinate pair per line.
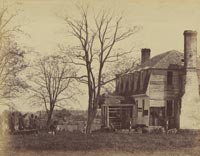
x,y
180,152
98,144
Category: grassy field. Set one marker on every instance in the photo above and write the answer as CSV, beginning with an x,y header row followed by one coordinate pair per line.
x,y
184,144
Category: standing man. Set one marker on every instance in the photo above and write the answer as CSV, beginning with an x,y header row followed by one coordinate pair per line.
x,y
31,121
11,122
35,122
21,121
166,124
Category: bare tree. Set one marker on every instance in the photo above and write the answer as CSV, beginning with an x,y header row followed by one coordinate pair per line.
x,y
11,57
11,65
52,83
97,39
7,30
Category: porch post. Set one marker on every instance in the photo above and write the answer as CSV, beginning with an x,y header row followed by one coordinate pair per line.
x,y
107,111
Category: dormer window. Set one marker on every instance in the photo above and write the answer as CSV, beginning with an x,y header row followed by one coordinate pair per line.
x,y
126,87
121,86
169,78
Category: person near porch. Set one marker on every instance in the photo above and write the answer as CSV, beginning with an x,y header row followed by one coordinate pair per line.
x,y
166,124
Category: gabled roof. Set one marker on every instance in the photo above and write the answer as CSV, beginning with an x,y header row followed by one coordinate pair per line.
x,y
169,60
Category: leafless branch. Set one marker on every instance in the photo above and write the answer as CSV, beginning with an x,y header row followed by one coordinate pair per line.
x,y
97,41
52,82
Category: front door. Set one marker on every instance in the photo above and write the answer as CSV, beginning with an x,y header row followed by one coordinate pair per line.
x,y
170,113
126,117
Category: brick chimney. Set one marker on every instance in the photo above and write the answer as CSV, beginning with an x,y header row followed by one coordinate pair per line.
x,y
190,50
190,106
145,54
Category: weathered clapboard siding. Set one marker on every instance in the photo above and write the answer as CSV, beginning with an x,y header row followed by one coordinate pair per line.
x,y
160,92
158,87
151,86
157,102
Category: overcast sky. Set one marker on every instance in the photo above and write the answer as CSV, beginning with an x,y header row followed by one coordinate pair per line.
x,y
163,22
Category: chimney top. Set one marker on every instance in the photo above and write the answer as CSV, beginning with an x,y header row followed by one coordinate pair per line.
x,y
146,49
145,52
190,32
190,49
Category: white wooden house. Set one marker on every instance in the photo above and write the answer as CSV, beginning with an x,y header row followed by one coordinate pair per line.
x,y
152,92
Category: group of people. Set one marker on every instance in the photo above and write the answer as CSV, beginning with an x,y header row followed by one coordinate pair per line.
x,y
32,123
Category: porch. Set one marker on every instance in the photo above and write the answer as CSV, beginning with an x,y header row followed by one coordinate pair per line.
x,y
118,116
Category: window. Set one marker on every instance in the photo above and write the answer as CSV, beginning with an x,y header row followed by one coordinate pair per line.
x,y
136,106
117,86
141,80
170,108
122,86
169,77
143,104
132,83
136,103
126,87
145,112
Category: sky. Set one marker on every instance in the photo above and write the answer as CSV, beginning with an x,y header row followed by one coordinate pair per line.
x,y
163,23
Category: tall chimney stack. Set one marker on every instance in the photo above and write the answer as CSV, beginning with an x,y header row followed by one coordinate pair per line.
x,y
190,50
145,54
190,106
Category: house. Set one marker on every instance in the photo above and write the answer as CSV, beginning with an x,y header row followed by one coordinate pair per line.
x,y
162,89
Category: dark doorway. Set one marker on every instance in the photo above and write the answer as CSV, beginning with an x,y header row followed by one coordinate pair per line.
x,y
120,116
126,116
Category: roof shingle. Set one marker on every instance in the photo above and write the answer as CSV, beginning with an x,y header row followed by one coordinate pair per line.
x,y
169,59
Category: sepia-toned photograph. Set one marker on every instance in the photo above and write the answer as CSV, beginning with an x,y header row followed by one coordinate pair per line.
x,y
99,78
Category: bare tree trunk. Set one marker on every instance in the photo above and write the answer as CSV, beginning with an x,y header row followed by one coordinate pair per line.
x,y
91,116
49,118
90,120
